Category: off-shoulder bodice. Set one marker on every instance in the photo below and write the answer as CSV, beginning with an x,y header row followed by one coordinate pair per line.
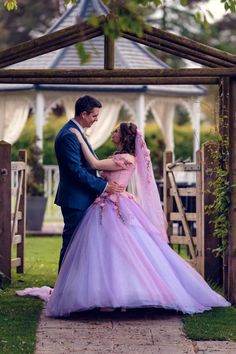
x,y
121,176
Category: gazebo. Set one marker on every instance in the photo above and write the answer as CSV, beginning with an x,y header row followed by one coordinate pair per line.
x,y
16,99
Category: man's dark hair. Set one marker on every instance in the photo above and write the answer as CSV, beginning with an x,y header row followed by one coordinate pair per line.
x,y
86,104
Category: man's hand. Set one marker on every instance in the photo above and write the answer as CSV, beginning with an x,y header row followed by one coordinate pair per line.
x,y
114,187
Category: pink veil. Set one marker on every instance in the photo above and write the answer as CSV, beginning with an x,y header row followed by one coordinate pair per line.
x,y
144,187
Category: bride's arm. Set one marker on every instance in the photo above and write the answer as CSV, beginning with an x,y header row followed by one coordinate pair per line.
x,y
106,164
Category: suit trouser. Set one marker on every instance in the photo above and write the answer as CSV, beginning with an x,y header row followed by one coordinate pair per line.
x,y
72,218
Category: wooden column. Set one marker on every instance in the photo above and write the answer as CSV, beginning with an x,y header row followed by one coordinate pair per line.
x,y
109,53
22,222
5,211
232,180
212,264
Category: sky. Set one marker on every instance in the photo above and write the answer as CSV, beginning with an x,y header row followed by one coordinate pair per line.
x,y
216,8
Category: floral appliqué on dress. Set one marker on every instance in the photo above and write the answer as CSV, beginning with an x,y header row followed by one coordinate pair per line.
x,y
105,198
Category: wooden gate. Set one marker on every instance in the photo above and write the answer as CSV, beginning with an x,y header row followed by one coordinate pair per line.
x,y
192,231
12,211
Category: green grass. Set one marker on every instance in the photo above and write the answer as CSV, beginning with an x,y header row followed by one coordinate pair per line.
x,y
217,324
19,316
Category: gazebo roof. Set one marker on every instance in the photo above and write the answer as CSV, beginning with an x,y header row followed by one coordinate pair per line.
x,y
128,54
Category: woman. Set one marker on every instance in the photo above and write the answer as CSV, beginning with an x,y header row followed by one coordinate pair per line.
x,y
119,255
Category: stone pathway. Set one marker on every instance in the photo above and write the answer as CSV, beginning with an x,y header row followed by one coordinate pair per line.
x,y
143,331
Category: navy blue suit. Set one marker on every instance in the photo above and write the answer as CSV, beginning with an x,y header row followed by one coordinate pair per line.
x,y
79,185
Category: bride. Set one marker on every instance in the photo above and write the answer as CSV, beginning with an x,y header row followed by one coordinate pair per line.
x,y
119,256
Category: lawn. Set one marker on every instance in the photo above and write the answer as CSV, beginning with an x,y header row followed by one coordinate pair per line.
x,y
19,316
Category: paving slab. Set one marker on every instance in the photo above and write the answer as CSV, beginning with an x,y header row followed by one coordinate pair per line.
x,y
141,331
215,347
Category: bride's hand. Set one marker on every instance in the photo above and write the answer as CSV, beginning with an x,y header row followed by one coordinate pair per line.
x,y
77,133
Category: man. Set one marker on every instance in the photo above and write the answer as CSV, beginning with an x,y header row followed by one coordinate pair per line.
x,y
79,185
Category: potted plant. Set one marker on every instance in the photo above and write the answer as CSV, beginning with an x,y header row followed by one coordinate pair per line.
x,y
36,201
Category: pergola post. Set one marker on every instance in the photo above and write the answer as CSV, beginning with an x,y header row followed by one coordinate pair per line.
x,y
232,181
39,117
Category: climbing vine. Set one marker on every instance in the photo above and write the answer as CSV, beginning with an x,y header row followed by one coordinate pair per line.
x,y
221,189
220,186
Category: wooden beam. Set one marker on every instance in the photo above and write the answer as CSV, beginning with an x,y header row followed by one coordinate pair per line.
x,y
109,53
191,44
5,210
172,51
156,73
182,50
48,43
112,80
232,180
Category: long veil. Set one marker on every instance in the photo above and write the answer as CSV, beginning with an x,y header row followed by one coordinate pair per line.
x,y
144,187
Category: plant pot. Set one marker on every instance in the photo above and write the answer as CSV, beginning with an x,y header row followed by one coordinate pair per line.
x,y
35,210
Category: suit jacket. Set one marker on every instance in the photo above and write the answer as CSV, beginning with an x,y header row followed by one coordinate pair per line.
x,y
79,185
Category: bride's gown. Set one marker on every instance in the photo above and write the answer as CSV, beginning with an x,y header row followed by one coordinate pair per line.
x,y
118,258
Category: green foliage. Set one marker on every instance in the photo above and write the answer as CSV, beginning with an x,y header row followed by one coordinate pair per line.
x,y
35,176
10,5
221,190
19,316
83,54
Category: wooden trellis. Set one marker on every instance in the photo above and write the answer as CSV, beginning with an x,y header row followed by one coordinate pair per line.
x,y
221,71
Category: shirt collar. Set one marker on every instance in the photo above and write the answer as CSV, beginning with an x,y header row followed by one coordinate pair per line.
x,y
78,125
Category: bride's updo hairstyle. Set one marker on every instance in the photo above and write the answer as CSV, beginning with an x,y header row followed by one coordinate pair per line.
x,y
128,133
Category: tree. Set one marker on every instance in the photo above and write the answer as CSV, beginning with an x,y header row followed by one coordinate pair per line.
x,y
129,14
22,23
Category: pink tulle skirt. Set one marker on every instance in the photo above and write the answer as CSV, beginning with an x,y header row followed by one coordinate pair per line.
x,y
117,258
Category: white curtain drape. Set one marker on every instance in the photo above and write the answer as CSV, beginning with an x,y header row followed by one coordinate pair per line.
x,y
13,116
164,114
69,105
101,130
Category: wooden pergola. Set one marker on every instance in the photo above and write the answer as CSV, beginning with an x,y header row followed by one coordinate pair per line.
x,y
220,70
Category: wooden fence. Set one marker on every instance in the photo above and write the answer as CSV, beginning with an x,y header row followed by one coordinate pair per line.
x,y
192,230
12,210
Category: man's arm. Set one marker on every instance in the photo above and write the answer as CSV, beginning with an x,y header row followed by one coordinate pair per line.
x,y
71,152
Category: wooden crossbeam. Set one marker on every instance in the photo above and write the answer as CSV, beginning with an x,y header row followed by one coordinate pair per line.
x,y
177,216
129,73
182,51
197,47
111,80
48,43
181,240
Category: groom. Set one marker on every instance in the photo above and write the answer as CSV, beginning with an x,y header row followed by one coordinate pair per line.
x,y
79,185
